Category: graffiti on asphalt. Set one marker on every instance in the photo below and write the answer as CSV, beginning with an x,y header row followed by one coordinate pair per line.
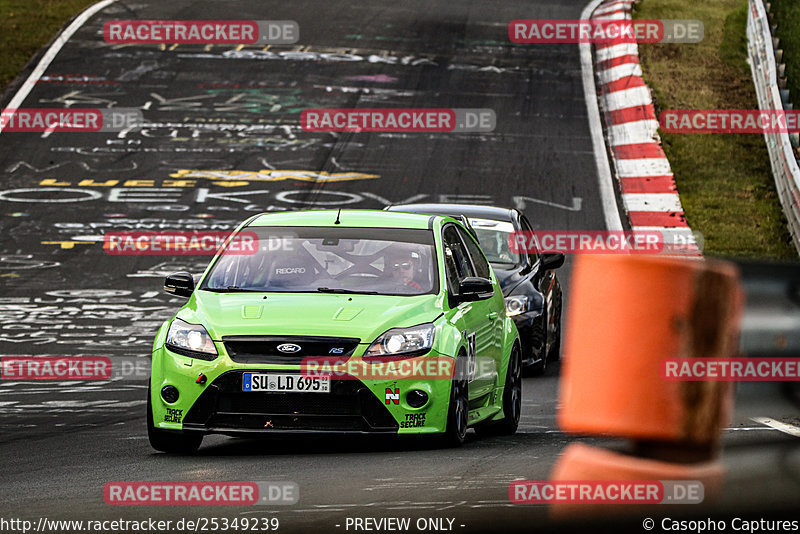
x,y
270,175
93,320
23,262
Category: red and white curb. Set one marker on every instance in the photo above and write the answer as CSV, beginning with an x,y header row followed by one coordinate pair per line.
x,y
649,194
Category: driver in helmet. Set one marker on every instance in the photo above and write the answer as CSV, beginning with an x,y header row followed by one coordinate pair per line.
x,y
403,264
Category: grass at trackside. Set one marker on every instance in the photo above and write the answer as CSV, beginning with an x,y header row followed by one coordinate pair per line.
x,y
28,25
787,18
724,180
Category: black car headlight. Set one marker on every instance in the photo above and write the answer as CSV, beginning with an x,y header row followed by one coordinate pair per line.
x,y
517,304
190,340
402,341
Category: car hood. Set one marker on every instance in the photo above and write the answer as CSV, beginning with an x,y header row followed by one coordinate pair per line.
x,y
303,314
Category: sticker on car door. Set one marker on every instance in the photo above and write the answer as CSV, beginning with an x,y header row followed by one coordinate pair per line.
x,y
472,356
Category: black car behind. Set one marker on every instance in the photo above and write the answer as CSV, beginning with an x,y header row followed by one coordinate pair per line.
x,y
530,286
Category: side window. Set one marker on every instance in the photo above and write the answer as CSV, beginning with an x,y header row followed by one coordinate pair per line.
x,y
526,227
482,268
457,262
450,271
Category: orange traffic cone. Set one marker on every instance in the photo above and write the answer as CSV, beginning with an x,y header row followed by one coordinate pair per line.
x,y
626,315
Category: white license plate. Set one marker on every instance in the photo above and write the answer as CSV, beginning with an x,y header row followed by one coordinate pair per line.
x,y
285,383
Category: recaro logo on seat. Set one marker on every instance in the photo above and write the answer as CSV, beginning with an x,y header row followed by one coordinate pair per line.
x,y
289,348
290,270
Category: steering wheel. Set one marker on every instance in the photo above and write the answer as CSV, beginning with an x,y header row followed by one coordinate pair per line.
x,y
355,270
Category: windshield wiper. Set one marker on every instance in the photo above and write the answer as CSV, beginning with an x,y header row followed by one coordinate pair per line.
x,y
232,289
345,291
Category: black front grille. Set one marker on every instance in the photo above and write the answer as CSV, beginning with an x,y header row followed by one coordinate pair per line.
x,y
349,406
264,349
289,403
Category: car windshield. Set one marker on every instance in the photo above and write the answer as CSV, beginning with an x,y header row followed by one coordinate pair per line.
x,y
493,237
386,261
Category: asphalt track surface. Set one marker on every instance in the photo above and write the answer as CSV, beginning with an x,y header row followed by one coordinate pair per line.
x,y
227,109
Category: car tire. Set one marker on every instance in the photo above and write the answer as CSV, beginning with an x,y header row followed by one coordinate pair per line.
x,y
458,409
170,442
512,400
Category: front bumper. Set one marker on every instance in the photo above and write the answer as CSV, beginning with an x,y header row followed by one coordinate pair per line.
x,y
353,406
349,407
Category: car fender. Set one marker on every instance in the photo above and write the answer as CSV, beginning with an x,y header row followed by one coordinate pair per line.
x,y
510,337
156,370
449,340
181,372
161,335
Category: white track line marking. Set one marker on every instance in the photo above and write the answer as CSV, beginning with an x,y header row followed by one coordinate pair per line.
x,y
612,15
624,49
605,11
619,72
643,167
652,201
758,428
605,181
637,96
51,53
628,133
614,6
786,428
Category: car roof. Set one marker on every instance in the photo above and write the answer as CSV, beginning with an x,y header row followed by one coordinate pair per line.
x,y
470,210
347,218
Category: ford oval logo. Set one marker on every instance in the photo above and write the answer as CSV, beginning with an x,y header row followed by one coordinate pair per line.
x,y
289,348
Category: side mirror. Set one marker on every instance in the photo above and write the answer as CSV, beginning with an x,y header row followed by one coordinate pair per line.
x,y
552,261
179,284
475,288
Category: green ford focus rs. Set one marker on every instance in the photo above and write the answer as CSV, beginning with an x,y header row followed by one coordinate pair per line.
x,y
350,321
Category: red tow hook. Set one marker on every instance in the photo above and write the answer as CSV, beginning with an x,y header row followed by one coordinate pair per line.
x,y
201,379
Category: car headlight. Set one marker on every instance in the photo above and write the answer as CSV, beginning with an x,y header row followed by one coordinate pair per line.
x,y
190,340
517,304
402,341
